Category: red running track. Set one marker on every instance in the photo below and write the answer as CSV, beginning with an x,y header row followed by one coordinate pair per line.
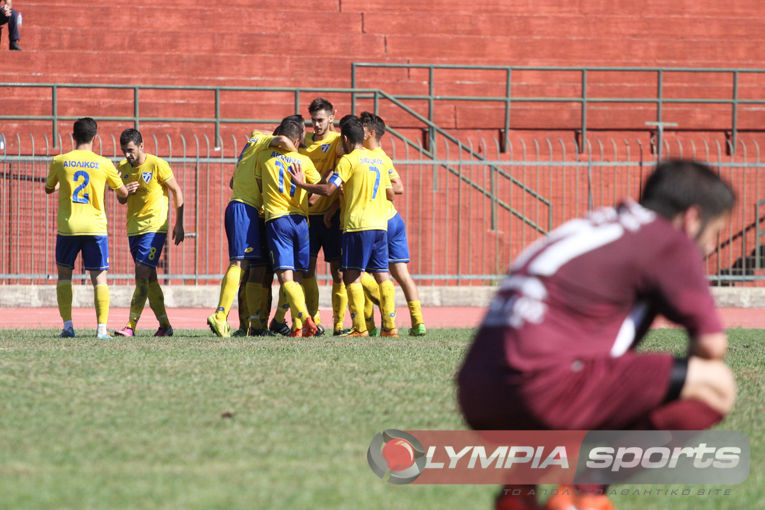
x,y
194,318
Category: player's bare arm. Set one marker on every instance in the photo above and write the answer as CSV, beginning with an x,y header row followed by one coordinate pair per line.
x,y
178,232
298,178
331,212
398,186
282,142
390,194
122,194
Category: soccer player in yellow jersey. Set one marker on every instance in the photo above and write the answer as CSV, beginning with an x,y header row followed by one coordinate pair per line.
x,y
80,177
148,180
242,226
286,208
366,191
398,247
321,146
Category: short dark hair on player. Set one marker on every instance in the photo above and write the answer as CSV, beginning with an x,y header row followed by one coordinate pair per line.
x,y
374,122
85,130
131,135
291,129
352,129
319,104
676,185
345,119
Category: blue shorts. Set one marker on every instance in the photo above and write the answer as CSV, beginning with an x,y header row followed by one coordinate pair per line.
x,y
264,259
242,231
95,251
146,248
398,247
328,239
366,250
288,242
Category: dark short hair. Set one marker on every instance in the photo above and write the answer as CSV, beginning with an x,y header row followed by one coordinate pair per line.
x,y
319,104
85,130
290,128
131,135
345,119
676,185
374,122
297,118
352,128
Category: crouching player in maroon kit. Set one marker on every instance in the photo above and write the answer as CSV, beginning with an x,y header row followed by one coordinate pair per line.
x,y
556,348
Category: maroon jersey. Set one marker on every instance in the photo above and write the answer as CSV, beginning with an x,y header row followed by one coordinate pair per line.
x,y
591,289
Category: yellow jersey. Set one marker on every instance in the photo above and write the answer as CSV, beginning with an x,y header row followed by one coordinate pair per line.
x,y
392,174
82,176
365,179
147,207
245,188
323,153
280,196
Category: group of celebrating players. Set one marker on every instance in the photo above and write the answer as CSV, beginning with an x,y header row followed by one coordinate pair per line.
x,y
293,195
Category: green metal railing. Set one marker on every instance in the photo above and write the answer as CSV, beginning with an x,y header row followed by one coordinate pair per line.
x,y
583,98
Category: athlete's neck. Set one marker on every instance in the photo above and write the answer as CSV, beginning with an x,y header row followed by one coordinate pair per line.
x,y
371,143
84,146
318,138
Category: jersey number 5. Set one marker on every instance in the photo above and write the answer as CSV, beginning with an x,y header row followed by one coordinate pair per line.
x,y
76,197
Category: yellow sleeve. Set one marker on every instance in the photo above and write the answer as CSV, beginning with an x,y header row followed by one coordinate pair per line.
x,y
52,179
386,180
343,169
112,177
258,167
312,175
164,172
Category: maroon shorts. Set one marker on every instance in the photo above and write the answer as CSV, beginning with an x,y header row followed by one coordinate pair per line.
x,y
598,393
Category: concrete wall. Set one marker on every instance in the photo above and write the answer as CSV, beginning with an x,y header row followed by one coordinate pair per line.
x,y
19,296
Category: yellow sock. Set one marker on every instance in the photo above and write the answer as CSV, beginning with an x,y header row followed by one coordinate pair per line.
x,y
282,306
388,304
64,298
415,313
254,295
311,289
371,289
296,300
228,289
242,306
371,298
140,294
157,303
265,305
339,304
356,303
101,298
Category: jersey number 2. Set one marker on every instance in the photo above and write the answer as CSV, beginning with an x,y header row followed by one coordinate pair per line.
x,y
76,197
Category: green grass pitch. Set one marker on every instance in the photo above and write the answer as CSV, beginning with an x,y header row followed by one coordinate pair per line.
x,y
199,422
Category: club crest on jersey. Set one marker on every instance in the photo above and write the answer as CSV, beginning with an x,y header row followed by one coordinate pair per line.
x,y
325,147
146,177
